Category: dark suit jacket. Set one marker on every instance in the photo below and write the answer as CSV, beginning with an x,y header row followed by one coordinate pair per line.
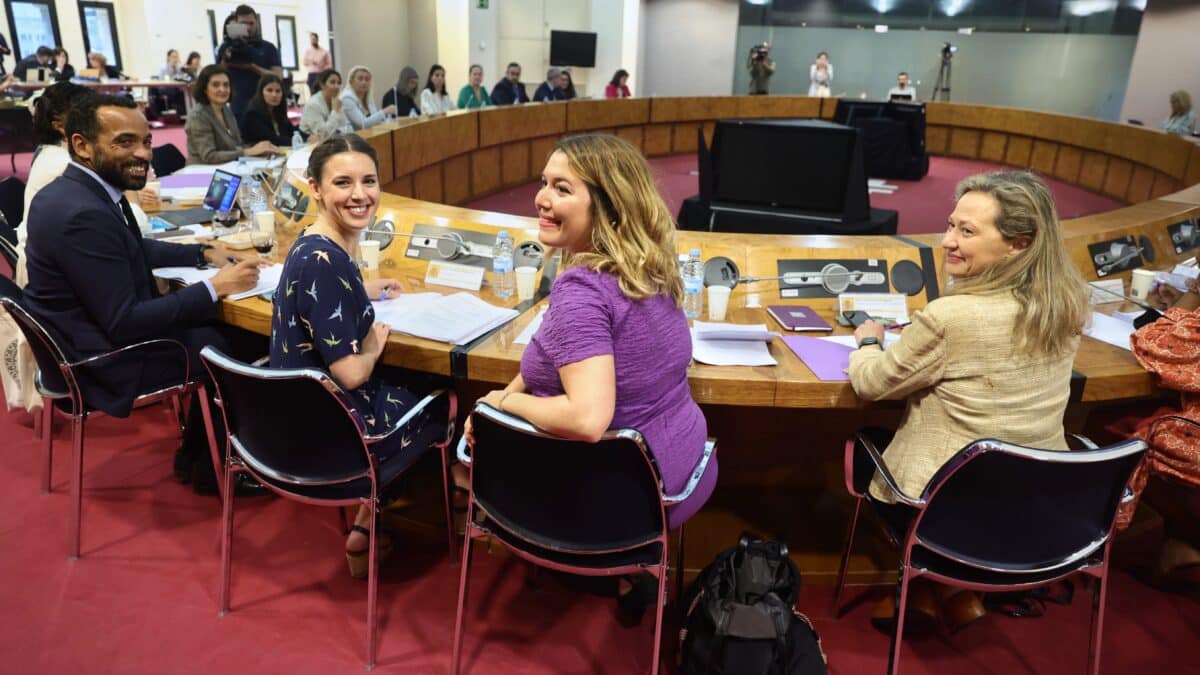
x,y
502,93
89,286
547,92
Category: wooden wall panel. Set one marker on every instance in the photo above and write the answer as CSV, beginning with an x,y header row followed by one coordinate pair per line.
x,y
1163,185
1019,151
402,185
456,179
1192,175
778,106
1116,183
539,152
964,143
992,146
427,183
657,140
1067,165
1140,184
632,134
689,108
587,115
514,163
683,137
1091,173
1044,155
937,139
485,171
503,124
382,144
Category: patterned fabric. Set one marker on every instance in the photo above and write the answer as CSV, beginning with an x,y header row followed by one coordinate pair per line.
x,y
322,314
1172,352
651,349
956,368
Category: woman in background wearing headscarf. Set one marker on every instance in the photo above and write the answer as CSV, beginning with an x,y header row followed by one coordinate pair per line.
x,y
404,93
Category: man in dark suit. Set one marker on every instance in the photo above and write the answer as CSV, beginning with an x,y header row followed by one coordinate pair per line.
x,y
89,270
554,88
42,58
510,91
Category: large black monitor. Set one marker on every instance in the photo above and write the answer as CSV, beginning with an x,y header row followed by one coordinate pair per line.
x,y
804,168
570,48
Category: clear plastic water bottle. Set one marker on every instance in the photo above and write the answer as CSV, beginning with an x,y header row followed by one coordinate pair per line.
x,y
253,198
297,140
693,285
503,278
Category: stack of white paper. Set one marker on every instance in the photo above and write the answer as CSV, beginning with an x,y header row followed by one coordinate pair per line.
x,y
188,275
457,318
727,344
1107,329
880,305
889,339
268,278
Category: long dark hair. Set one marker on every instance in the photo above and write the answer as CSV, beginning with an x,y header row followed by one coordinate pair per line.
x,y
336,145
429,80
279,114
616,81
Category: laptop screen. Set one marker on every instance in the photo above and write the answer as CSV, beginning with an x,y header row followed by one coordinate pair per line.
x,y
222,191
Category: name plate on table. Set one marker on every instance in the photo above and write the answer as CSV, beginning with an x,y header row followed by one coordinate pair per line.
x,y
465,277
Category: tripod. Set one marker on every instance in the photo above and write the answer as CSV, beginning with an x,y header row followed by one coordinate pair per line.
x,y
942,86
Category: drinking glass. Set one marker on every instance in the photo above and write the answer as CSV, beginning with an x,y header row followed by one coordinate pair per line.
x,y
263,241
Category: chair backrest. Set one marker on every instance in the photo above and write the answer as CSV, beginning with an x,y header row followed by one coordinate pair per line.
x,y
12,203
1008,508
16,130
166,160
8,251
50,358
565,495
292,426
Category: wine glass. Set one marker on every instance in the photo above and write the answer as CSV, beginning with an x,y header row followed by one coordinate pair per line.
x,y
263,241
225,222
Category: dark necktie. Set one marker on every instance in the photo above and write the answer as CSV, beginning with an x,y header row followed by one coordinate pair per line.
x,y
132,225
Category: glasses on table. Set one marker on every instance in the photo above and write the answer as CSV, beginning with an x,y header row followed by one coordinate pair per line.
x,y
263,241
225,222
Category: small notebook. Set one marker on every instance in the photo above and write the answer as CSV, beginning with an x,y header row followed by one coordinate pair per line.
x,y
798,318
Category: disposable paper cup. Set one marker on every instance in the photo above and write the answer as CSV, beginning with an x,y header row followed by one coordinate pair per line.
x,y
370,253
264,221
1140,283
526,276
155,188
718,302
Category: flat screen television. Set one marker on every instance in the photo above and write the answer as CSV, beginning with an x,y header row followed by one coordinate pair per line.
x,y
571,48
803,167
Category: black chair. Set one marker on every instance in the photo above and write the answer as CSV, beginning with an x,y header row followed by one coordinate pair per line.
x,y
12,204
166,159
57,383
297,433
7,250
594,509
16,133
1001,517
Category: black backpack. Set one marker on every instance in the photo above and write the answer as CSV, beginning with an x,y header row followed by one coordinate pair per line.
x,y
741,618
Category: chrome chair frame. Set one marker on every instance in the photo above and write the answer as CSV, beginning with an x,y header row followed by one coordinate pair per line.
x,y
658,571
1091,560
79,412
239,459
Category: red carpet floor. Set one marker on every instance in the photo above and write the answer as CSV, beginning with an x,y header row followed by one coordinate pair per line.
x,y
143,597
923,204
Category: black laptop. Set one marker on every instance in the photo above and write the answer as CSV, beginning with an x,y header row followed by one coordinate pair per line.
x,y
222,191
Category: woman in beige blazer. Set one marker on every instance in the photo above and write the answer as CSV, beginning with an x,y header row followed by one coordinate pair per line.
x,y
992,357
212,130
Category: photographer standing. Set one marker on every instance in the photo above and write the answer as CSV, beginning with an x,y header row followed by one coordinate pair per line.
x,y
247,56
761,68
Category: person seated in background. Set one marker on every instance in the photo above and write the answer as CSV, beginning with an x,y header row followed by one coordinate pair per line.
x,y
618,86
42,58
323,116
991,358
553,89
316,61
613,349
212,130
357,102
62,65
568,85
163,99
404,94
902,91
192,67
89,273
510,90
173,68
99,63
323,315
266,119
473,94
1183,119
434,98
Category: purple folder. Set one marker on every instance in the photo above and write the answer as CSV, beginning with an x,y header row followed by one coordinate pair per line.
x,y
827,360
186,180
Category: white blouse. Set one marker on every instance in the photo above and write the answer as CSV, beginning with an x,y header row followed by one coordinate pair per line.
x,y
431,103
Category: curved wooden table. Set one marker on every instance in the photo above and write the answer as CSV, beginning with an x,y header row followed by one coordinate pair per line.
x,y
779,426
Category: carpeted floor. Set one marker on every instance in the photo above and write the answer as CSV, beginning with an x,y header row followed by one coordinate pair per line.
x,y
923,204
143,596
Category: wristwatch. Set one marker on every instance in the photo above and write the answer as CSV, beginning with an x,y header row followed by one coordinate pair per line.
x,y
868,341
201,261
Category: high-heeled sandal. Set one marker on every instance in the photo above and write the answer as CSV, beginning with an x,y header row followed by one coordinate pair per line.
x,y
632,605
359,561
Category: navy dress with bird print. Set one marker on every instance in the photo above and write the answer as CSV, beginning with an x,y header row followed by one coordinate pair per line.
x,y
322,314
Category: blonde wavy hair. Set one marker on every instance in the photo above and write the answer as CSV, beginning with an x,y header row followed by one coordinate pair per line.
x,y
633,234
1181,102
1052,292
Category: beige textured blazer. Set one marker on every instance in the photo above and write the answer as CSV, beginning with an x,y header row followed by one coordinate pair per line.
x,y
956,367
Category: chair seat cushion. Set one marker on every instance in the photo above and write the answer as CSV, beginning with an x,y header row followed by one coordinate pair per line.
x,y
645,555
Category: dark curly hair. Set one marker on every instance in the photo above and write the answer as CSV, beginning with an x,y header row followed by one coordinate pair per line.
x,y
200,86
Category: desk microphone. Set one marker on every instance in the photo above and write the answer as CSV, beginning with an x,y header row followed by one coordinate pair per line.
x,y
1149,316
834,278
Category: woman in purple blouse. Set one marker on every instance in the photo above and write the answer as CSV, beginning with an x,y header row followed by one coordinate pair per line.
x,y
613,349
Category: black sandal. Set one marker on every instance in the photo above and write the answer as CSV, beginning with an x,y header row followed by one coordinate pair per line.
x,y
359,561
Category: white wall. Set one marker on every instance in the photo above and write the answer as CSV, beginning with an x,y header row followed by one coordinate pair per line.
x,y
371,33
688,47
422,37
1165,59
484,45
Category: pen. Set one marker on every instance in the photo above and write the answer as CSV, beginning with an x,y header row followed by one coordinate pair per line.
x,y
383,295
898,326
